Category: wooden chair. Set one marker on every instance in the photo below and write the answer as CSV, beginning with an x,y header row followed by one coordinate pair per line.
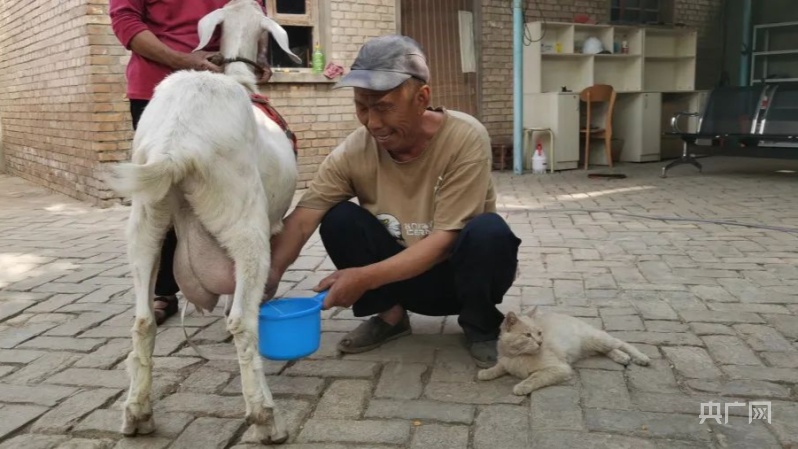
x,y
598,93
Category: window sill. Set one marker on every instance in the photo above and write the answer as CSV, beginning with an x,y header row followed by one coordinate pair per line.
x,y
299,78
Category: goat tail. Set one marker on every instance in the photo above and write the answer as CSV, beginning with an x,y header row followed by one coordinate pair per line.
x,y
151,181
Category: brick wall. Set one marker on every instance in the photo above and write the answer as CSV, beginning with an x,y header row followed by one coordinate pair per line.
x,y
62,92
706,17
497,56
55,101
64,112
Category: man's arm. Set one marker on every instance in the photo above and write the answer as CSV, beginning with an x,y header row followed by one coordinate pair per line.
x,y
263,57
148,45
348,285
298,226
129,27
412,261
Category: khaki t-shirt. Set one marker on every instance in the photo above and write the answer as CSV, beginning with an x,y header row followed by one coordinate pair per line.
x,y
449,183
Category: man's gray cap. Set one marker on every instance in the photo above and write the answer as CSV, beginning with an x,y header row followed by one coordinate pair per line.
x,y
385,62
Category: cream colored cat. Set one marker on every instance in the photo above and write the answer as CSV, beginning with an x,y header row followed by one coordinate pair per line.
x,y
540,348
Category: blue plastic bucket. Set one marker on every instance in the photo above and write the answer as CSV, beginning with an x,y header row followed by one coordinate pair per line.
x,y
290,328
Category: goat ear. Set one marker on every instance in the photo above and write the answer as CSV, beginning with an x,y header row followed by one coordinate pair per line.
x,y
280,36
207,25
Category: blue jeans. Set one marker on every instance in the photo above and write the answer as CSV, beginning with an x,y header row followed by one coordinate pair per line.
x,y
470,283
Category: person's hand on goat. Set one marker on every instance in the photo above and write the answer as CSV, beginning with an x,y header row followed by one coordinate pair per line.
x,y
345,287
263,62
266,76
198,60
263,58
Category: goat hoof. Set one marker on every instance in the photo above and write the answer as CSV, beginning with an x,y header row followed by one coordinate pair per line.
x,y
277,438
268,434
147,427
132,425
128,429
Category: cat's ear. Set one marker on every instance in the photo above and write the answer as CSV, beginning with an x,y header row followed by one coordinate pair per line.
x,y
532,312
510,319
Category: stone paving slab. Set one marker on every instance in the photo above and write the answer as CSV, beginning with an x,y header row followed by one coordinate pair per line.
x,y
714,305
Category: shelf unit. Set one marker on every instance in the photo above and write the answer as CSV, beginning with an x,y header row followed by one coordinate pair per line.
x,y
775,55
658,59
660,62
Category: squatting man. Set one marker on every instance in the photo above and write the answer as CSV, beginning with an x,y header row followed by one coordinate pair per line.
x,y
424,235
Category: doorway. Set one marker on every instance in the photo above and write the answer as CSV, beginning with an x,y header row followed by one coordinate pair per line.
x,y
447,30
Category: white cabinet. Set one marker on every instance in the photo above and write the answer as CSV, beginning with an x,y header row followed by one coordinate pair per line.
x,y
560,112
645,65
637,123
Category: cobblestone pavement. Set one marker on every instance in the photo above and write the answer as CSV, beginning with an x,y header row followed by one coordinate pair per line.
x,y
714,305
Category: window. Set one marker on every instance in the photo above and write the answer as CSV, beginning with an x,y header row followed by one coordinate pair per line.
x,y
298,7
638,12
304,21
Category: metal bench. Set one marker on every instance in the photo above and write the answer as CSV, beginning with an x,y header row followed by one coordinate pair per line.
x,y
780,121
729,111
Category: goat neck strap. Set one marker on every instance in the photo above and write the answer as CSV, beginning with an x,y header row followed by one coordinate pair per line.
x,y
221,61
263,103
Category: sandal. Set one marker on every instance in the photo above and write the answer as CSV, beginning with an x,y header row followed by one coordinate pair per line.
x,y
373,333
164,307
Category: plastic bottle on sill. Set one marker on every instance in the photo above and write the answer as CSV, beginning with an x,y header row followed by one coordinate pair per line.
x,y
318,59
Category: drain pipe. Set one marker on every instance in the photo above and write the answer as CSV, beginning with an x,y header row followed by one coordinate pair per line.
x,y
745,60
518,79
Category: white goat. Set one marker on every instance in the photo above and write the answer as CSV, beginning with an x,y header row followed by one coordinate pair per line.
x,y
209,162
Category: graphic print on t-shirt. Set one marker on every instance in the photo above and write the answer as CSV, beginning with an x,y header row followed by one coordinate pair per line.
x,y
419,230
392,225
416,231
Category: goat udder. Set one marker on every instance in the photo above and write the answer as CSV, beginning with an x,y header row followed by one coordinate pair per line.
x,y
203,270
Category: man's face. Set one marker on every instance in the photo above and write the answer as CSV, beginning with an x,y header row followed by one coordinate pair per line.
x,y
393,118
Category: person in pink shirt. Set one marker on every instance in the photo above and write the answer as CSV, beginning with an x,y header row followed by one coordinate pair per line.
x,y
161,35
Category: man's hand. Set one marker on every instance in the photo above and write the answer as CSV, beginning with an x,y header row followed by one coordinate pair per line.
x,y
267,74
272,284
147,45
197,60
263,62
346,287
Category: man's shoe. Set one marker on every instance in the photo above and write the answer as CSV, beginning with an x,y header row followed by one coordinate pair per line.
x,y
373,333
484,353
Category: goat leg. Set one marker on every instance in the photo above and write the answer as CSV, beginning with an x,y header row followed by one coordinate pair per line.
x,y
248,244
145,231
